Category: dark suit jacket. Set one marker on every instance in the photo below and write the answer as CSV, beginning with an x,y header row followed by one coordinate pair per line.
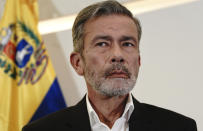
x,y
144,118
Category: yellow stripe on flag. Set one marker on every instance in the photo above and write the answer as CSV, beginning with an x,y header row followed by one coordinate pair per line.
x,y
26,72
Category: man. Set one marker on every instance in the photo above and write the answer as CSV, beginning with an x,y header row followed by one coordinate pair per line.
x,y
106,52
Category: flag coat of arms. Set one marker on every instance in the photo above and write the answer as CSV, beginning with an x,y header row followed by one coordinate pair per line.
x,y
28,84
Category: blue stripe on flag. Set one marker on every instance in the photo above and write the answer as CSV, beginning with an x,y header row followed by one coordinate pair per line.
x,y
52,102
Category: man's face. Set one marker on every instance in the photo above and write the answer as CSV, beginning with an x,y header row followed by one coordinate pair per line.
x,y
111,55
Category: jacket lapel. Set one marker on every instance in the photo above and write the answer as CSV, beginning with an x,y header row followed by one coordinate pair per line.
x,y
139,120
80,119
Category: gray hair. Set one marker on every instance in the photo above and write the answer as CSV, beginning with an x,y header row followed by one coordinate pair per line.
x,y
108,7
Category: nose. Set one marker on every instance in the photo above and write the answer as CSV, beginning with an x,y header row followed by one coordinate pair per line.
x,y
117,55
117,60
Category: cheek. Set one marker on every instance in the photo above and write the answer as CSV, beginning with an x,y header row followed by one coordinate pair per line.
x,y
137,61
93,61
96,58
135,64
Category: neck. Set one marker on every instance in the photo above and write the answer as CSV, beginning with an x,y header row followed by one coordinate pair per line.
x,y
108,109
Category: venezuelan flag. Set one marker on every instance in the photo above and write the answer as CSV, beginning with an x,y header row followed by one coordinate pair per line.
x,y
28,84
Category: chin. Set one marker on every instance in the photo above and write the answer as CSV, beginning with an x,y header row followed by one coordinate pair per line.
x,y
116,87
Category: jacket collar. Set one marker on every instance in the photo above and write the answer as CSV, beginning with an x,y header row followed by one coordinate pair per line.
x,y
140,118
79,117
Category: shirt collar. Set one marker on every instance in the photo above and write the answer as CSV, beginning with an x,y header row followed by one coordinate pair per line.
x,y
94,117
92,114
129,107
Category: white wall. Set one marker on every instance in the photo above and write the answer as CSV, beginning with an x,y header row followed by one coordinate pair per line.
x,y
172,60
171,74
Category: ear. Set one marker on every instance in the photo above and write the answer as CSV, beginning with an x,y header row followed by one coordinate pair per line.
x,y
77,62
139,60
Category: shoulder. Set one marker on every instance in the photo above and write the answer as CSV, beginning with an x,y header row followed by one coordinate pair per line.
x,y
60,120
161,119
51,120
165,117
163,113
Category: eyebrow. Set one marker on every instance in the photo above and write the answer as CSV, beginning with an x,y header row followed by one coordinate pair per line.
x,y
126,38
102,37
109,38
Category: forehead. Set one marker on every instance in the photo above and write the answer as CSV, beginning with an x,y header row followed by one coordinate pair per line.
x,y
113,25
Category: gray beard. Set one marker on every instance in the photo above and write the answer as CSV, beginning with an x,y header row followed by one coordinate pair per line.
x,y
110,86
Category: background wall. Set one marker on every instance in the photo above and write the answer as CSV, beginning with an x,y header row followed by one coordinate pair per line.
x,y
171,74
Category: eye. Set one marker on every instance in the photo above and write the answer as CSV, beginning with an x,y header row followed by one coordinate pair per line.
x,y
102,44
128,44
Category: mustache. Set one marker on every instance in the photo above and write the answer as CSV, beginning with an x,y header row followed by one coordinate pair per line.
x,y
117,67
